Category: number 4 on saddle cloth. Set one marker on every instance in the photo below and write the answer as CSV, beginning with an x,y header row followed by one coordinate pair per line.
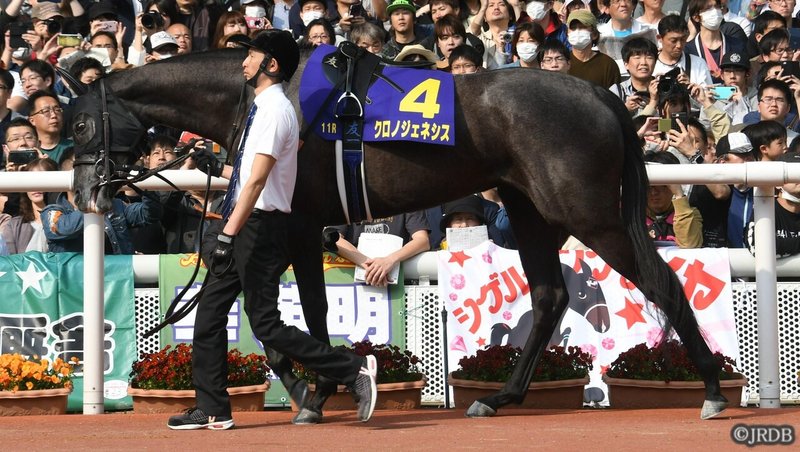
x,y
401,103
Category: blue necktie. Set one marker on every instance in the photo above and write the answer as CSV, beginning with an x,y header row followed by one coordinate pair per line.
x,y
230,196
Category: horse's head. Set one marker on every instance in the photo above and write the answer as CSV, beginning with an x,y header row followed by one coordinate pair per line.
x,y
586,296
102,149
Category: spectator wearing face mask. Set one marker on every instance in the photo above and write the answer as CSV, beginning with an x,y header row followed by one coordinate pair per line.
x,y
710,43
542,13
160,46
304,11
585,63
525,45
787,217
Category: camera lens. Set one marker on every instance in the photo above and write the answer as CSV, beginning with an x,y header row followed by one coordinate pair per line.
x,y
53,26
152,20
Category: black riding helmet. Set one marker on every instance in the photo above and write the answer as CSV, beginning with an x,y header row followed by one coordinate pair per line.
x,y
278,44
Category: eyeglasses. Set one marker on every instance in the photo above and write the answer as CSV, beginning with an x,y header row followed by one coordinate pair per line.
x,y
782,51
785,2
30,78
28,138
317,37
47,111
773,100
551,60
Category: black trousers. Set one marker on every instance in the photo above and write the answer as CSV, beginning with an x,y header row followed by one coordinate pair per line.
x,y
260,256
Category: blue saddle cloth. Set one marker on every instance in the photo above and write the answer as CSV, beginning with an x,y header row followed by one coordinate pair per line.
x,y
421,110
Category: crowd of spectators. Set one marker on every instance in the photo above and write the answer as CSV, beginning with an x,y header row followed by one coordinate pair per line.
x,y
718,84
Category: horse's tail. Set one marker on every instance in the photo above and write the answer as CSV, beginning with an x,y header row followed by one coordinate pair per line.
x,y
655,279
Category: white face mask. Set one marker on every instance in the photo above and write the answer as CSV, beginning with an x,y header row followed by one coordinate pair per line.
x,y
711,19
651,146
789,197
255,11
580,39
527,51
536,10
311,15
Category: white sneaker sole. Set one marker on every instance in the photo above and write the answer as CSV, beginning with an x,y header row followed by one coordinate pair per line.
x,y
219,425
372,371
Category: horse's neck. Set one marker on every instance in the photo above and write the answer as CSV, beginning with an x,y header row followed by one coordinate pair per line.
x,y
203,102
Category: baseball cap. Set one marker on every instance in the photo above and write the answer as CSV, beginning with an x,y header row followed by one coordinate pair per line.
x,y
400,4
159,40
583,16
735,60
734,143
46,10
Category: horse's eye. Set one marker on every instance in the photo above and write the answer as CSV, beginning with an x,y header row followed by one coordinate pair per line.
x,y
80,127
83,129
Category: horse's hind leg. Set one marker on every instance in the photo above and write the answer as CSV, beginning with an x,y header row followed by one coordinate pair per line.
x,y
615,246
538,249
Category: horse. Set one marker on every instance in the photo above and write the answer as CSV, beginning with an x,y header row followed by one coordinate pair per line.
x,y
562,152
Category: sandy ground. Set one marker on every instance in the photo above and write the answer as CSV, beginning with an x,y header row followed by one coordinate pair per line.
x,y
424,429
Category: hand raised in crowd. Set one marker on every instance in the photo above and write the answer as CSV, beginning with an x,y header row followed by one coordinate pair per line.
x,y
121,29
34,40
683,79
347,22
700,94
634,102
682,140
50,47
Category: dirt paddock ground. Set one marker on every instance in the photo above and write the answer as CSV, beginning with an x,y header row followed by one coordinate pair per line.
x,y
424,429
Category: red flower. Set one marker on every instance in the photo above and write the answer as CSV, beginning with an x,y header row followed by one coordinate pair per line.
x,y
497,362
667,361
394,365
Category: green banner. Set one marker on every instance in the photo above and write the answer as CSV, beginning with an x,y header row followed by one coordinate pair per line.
x,y
355,311
41,313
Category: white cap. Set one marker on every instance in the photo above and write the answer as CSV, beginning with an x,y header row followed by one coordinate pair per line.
x,y
739,143
161,39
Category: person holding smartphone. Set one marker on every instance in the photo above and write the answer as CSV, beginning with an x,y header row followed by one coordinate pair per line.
x,y
20,135
739,99
639,56
24,232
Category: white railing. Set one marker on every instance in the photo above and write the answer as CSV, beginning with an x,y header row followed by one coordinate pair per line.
x,y
764,176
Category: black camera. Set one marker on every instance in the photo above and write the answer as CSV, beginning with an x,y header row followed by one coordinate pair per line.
x,y
668,81
152,20
53,26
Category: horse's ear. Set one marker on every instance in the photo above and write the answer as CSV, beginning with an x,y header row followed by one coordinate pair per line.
x,y
75,85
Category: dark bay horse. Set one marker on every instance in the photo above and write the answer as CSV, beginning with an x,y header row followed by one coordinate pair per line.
x,y
557,148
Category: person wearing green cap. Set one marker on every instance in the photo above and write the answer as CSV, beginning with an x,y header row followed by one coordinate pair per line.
x,y
585,63
402,33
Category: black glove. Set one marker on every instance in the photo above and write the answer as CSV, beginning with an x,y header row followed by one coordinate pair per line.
x,y
207,162
222,256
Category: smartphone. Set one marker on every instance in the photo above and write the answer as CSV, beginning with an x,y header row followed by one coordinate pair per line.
x,y
664,125
724,92
684,118
790,68
108,25
69,40
356,9
256,23
17,29
22,156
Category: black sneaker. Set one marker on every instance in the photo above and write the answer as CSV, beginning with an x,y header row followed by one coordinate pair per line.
x,y
195,418
366,389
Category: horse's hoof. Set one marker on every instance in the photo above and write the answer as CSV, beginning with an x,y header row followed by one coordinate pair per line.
x,y
307,417
300,393
712,409
479,409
